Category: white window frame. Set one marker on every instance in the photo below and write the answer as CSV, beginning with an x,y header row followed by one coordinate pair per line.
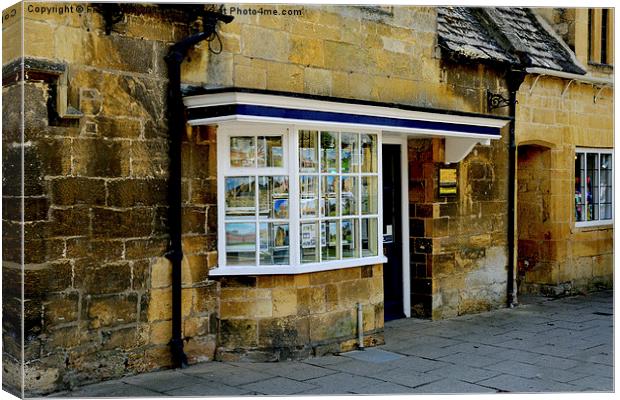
x,y
585,151
290,168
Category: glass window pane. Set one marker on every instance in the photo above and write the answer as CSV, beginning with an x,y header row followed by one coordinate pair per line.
x,y
592,187
580,200
369,153
369,195
606,187
309,242
242,151
330,239
369,237
270,152
241,244
273,197
349,238
240,197
329,152
309,196
274,243
349,158
349,194
329,198
308,151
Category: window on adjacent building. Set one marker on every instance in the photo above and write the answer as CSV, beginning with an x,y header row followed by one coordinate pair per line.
x,y
600,39
593,187
298,198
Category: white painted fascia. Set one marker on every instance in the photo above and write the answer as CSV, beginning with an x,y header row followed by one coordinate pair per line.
x,y
227,98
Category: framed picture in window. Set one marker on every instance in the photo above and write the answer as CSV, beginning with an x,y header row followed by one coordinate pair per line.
x,y
280,207
242,151
308,207
308,236
280,236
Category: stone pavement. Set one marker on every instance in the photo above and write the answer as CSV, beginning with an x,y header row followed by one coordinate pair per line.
x,y
543,345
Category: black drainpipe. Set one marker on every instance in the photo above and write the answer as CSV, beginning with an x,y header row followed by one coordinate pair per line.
x,y
176,128
514,80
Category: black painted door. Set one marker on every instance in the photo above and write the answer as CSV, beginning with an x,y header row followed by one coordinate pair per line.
x,y
392,233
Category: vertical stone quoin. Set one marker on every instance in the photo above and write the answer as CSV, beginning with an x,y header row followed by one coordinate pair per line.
x,y
13,216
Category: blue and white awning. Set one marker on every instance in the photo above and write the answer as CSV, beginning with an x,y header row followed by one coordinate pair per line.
x,y
262,107
461,131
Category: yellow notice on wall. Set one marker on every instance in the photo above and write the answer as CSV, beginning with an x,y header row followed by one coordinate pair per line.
x,y
447,181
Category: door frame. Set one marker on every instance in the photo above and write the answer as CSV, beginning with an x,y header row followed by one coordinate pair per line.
x,y
401,140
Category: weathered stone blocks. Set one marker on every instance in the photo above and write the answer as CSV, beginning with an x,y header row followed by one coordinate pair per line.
x,y
272,317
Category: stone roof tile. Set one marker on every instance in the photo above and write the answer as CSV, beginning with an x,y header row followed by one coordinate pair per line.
x,y
503,35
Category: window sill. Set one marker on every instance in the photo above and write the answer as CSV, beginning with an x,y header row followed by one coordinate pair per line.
x,y
595,224
296,269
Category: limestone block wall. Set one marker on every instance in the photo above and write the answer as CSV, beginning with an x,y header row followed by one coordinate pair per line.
x,y
281,317
353,52
458,244
97,288
555,256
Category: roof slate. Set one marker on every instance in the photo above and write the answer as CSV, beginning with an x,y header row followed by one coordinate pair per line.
x,y
511,36
463,35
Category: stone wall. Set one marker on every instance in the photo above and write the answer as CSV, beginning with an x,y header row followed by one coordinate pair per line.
x,y
281,317
12,214
458,244
555,257
97,293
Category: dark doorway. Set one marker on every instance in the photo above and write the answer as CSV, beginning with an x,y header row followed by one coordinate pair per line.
x,y
392,233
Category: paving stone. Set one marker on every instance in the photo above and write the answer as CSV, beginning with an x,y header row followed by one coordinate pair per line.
x,y
575,326
383,388
600,354
596,383
373,355
298,371
326,360
449,385
512,383
163,380
213,366
113,389
278,386
469,359
466,373
559,351
426,351
360,367
554,362
207,389
593,369
342,382
236,377
559,375
479,349
413,363
411,379
516,368
515,355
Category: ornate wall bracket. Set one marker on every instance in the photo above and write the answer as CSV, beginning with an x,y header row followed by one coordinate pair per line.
x,y
496,100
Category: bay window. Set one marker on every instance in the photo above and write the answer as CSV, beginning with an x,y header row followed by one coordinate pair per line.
x,y
297,200
593,187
